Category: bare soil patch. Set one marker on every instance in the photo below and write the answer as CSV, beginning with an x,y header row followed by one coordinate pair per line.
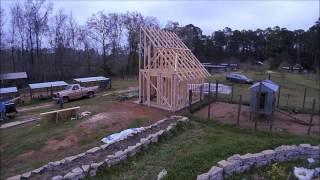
x,y
115,117
227,113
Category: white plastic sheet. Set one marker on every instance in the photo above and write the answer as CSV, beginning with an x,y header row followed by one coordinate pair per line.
x,y
121,135
303,173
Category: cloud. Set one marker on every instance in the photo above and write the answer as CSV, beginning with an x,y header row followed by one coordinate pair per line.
x,y
208,15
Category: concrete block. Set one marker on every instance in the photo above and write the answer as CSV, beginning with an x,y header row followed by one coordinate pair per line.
x,y
26,175
104,146
70,158
71,176
79,172
215,172
81,155
59,177
204,176
53,164
38,170
93,150
248,159
85,168
17,177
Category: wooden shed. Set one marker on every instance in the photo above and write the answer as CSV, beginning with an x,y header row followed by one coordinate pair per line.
x,y
268,96
167,70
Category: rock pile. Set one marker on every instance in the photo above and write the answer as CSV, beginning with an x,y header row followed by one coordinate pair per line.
x,y
240,163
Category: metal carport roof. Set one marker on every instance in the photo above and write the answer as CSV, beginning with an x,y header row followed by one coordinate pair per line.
x,y
8,90
91,79
47,84
15,75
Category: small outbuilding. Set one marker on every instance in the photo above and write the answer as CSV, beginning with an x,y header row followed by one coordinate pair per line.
x,y
18,79
45,90
265,103
101,81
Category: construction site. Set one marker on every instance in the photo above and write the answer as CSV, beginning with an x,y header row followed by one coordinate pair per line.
x,y
159,90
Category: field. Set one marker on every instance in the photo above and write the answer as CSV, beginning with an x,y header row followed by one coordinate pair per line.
x,y
194,148
186,153
291,84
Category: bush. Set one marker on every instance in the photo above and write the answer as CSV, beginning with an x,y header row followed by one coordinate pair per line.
x,y
277,172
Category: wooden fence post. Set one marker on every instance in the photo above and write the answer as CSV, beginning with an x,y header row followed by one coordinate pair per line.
x,y
311,116
257,106
288,100
209,100
239,110
30,95
271,120
304,98
190,100
231,93
51,89
201,93
217,83
278,101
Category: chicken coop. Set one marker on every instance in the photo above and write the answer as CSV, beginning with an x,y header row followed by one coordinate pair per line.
x,y
167,71
265,102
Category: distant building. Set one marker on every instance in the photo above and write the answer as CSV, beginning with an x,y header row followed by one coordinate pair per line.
x,y
13,79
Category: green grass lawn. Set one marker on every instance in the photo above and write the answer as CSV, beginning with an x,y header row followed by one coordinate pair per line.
x,y
291,83
192,149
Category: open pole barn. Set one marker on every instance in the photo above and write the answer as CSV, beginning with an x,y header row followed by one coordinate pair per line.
x,y
167,71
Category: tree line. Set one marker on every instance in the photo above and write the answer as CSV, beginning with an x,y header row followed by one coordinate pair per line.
x,y
52,45
278,46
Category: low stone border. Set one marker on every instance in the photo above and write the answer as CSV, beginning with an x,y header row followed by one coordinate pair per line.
x,y
90,169
241,163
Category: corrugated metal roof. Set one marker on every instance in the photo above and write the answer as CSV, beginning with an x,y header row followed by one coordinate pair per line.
x,y
214,66
268,84
11,76
47,84
91,79
8,90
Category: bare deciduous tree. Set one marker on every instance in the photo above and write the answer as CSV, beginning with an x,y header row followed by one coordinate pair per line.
x,y
1,37
133,21
99,28
59,39
83,38
36,14
20,23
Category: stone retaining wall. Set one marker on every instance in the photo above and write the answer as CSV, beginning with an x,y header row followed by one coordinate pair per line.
x,y
240,163
90,169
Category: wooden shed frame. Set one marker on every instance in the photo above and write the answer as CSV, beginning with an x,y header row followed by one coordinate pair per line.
x,y
167,70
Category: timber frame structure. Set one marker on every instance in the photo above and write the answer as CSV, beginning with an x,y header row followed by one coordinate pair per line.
x,y
167,70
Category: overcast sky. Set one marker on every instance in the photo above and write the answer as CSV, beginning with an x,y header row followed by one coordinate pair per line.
x,y
208,15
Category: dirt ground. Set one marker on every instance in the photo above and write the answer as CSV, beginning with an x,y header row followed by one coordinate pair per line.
x,y
117,116
227,113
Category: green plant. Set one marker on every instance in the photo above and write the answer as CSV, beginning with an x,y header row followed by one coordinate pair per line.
x,y
277,172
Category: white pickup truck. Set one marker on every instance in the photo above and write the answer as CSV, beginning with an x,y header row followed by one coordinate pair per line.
x,y
74,91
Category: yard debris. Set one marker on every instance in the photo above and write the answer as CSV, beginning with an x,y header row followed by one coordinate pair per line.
x,y
121,135
311,161
303,173
83,114
162,174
